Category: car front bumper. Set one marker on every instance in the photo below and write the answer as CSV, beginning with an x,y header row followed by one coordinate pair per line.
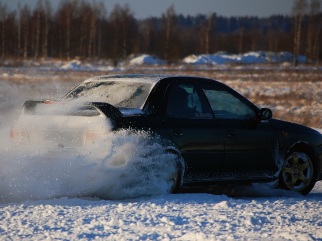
x,y
319,155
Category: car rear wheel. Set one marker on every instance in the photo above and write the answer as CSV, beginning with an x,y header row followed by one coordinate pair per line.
x,y
298,172
175,182
175,177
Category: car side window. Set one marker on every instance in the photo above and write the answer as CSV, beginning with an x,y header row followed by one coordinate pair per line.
x,y
184,101
225,105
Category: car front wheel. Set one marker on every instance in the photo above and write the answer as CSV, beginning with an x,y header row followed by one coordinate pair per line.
x,y
298,172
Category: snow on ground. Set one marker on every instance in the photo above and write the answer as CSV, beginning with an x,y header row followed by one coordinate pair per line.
x,y
218,59
246,58
36,205
257,213
146,59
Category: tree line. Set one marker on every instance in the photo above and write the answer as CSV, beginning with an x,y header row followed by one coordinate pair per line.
x,y
84,29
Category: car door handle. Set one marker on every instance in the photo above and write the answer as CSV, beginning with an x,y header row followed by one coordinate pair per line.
x,y
231,134
177,132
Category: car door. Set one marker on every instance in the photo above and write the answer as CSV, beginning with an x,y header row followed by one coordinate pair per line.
x,y
190,125
250,143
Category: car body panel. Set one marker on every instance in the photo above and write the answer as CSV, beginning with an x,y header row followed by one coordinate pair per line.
x,y
249,146
215,147
201,143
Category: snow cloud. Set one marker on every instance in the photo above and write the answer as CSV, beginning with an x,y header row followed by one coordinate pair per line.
x,y
121,164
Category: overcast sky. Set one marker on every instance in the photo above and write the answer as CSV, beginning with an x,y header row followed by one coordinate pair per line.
x,y
147,8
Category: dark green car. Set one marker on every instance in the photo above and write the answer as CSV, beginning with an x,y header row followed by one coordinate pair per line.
x,y
217,135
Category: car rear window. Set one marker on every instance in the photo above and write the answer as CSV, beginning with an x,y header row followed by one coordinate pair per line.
x,y
122,94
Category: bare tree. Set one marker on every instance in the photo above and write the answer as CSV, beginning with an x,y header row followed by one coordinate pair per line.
x,y
85,12
168,25
255,35
241,36
18,32
299,10
95,34
272,39
68,20
3,16
101,11
47,15
317,45
24,23
313,30
123,27
82,28
37,26
147,38
64,17
206,33
95,14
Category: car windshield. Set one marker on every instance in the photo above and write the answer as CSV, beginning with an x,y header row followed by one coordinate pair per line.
x,y
121,94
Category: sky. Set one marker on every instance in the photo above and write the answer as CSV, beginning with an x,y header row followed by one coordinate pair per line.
x,y
148,8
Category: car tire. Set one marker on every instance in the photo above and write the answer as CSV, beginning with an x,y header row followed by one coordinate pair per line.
x,y
175,182
299,172
176,177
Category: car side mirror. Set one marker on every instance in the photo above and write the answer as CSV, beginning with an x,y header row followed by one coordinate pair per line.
x,y
265,114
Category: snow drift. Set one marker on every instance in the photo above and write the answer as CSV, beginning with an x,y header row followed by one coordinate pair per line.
x,y
145,59
219,58
259,57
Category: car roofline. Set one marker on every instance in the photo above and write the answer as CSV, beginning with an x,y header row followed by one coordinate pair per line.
x,y
149,78
124,77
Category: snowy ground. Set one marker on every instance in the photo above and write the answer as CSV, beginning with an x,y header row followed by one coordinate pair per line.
x,y
29,211
255,213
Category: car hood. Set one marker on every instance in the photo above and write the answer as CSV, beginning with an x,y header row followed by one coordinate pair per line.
x,y
292,127
296,132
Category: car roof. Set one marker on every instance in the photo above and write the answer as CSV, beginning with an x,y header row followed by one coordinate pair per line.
x,y
149,78
145,78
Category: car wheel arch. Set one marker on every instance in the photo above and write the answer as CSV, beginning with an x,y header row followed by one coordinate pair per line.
x,y
302,146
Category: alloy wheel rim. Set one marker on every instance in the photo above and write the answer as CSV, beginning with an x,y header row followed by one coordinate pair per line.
x,y
297,171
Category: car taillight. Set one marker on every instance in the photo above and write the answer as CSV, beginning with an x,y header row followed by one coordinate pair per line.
x,y
49,102
93,137
14,133
18,134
